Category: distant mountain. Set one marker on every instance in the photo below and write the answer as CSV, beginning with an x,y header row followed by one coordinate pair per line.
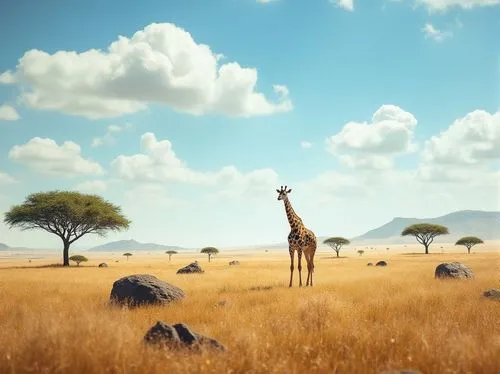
x,y
132,245
485,225
4,247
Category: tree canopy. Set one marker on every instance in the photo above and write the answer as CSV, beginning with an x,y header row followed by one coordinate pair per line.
x,y
78,259
336,242
170,253
469,242
425,233
67,214
209,251
127,255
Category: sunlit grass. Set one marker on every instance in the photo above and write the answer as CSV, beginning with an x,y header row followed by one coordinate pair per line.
x,y
356,319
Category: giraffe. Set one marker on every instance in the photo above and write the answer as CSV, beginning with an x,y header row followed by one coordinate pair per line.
x,y
300,239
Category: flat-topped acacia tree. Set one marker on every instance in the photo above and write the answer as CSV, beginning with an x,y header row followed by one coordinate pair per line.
x,y
170,253
336,242
67,214
425,233
209,251
469,242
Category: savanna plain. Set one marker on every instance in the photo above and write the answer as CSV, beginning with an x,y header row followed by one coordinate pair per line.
x,y
355,319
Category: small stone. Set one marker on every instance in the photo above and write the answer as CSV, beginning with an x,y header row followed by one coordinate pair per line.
x,y
492,293
369,264
191,268
381,263
103,265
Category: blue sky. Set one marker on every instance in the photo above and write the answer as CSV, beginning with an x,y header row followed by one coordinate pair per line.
x,y
367,109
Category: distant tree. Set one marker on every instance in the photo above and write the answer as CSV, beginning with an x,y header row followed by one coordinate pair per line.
x,y
69,215
469,242
210,251
336,243
127,255
361,252
170,253
78,259
425,233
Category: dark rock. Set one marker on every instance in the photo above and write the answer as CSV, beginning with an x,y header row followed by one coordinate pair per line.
x,y
453,270
191,268
141,289
369,264
235,262
492,293
103,265
381,263
179,336
404,371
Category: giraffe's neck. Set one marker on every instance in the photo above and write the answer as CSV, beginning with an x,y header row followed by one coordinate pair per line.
x,y
293,219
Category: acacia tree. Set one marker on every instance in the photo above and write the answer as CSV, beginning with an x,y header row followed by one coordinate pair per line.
x,y
69,215
425,233
469,242
336,243
170,253
360,251
210,251
127,255
78,259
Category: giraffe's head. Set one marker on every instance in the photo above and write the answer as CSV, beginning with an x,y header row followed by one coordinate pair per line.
x,y
283,192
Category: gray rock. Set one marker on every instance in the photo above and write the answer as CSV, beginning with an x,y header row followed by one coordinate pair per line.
x,y
381,263
369,264
143,289
235,262
453,270
191,268
179,336
492,293
103,265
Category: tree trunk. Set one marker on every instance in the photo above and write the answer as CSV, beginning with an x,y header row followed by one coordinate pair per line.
x,y
337,253
468,250
209,258
66,253
169,257
426,249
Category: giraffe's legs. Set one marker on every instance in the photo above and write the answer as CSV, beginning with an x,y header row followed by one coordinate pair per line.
x,y
291,266
308,268
299,255
311,261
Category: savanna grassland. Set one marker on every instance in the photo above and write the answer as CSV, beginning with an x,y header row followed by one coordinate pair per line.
x,y
356,319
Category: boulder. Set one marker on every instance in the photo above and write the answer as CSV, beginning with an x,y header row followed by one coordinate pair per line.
x,y
191,268
453,270
404,371
381,263
369,264
144,289
179,336
492,293
235,262
103,265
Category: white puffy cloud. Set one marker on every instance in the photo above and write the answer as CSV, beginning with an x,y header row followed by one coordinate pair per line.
x,y
6,179
109,136
442,5
344,4
305,144
470,140
464,151
374,145
45,156
159,163
92,186
160,64
435,34
8,113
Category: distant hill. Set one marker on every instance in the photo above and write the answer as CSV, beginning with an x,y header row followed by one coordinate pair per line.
x,y
4,247
485,225
132,245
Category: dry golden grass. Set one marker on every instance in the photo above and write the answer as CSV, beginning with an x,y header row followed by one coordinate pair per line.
x,y
356,319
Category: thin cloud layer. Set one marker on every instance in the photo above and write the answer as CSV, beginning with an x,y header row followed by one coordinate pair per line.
x,y
160,64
